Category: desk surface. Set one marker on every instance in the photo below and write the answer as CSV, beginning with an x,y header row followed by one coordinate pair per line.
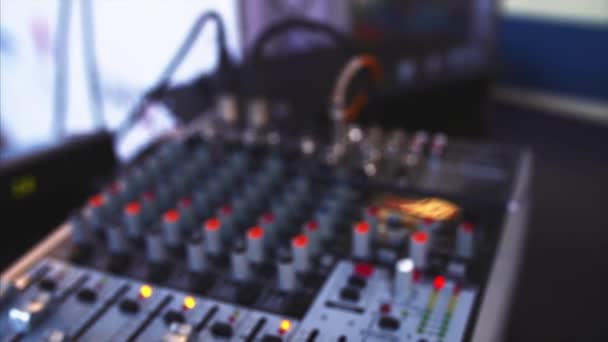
x,y
562,293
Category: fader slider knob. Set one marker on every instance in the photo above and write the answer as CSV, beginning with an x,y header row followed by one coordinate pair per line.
x,y
97,209
287,274
149,205
186,211
301,253
171,228
78,231
133,219
311,229
212,230
239,262
197,261
419,248
361,240
155,247
464,240
255,244
117,241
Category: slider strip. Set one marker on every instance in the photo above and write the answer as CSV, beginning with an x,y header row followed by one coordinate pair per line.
x,y
150,317
256,329
100,312
207,318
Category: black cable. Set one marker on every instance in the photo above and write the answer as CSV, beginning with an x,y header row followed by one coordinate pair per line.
x,y
340,39
90,59
224,65
300,8
193,34
60,98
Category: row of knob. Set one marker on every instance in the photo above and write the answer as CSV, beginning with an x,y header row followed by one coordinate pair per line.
x,y
178,226
208,244
420,242
303,247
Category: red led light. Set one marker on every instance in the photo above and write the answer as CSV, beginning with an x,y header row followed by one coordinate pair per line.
x,y
364,269
255,233
385,308
362,227
311,226
420,237
149,196
171,216
267,218
133,208
186,202
373,211
300,241
467,227
438,282
97,201
115,187
416,275
226,210
212,224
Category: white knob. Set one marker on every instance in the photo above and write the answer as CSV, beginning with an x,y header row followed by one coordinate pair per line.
x,y
404,273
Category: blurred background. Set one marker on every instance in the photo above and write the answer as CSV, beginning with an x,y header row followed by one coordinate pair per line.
x,y
549,53
532,73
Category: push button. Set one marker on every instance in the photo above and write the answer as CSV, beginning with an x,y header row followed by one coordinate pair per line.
x,y
129,306
173,316
389,323
350,294
220,329
271,338
356,281
47,284
87,296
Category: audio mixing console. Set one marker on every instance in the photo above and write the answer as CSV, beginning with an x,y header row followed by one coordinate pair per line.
x,y
385,236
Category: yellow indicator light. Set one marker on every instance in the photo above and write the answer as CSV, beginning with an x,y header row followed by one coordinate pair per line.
x,y
189,303
145,291
22,282
285,325
23,187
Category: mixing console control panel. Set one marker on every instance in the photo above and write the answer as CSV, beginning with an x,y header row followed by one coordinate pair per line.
x,y
383,237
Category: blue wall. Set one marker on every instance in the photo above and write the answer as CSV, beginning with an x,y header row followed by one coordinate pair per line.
x,y
566,58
